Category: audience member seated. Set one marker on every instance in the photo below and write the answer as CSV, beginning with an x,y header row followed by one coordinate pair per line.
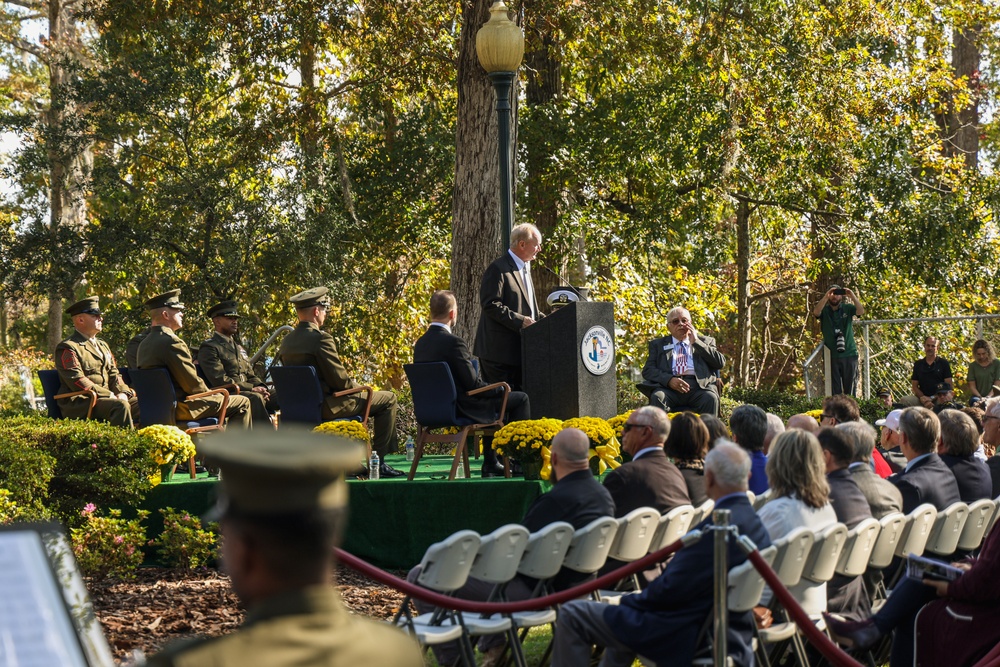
x,y
775,427
889,442
716,429
576,497
983,451
944,398
662,623
957,449
956,630
839,409
749,426
927,374
687,445
803,422
800,498
991,439
984,372
925,479
882,496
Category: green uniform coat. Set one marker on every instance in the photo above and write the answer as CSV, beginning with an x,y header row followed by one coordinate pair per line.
x,y
89,364
226,362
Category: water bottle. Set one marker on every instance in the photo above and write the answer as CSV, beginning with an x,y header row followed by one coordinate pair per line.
x,y
409,448
373,466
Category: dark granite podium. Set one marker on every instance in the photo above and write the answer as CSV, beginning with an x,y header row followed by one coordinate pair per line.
x,y
566,372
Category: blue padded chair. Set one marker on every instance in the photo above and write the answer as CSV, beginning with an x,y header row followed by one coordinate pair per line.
x,y
158,404
435,405
300,396
50,385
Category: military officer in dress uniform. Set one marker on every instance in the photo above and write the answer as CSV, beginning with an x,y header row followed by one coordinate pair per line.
x,y
84,361
132,348
308,345
225,362
284,505
163,349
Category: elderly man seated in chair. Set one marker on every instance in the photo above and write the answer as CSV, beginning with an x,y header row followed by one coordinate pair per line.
x,y
439,344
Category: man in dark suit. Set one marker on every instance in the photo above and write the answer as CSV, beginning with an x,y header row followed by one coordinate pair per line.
x,y
662,622
991,437
680,369
925,479
309,345
882,496
507,298
439,344
959,440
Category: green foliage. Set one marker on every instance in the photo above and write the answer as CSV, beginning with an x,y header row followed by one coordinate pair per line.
x,y
108,546
14,364
786,403
56,463
184,543
9,509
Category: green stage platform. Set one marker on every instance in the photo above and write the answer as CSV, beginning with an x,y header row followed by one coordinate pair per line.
x,y
392,521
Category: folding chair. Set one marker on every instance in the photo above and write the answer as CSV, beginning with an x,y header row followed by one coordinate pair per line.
x,y
701,512
761,500
891,531
300,396
980,515
791,554
673,525
50,385
948,525
633,536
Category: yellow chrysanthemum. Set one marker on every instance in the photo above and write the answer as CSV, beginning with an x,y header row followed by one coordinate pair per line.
x,y
347,429
170,443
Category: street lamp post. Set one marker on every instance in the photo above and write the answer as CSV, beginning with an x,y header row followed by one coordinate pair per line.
x,y
500,47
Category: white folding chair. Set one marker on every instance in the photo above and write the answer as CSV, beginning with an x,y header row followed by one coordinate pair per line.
x,y
543,558
996,514
857,551
917,530
590,546
673,525
792,553
701,512
633,536
891,530
445,568
947,529
980,515
761,500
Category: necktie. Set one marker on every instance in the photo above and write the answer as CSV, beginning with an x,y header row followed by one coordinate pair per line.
x,y
529,288
681,359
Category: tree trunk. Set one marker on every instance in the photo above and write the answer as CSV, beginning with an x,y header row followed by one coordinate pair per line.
x,y
965,58
741,367
476,206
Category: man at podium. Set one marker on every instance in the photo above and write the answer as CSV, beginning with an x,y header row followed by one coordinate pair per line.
x,y
507,298
680,371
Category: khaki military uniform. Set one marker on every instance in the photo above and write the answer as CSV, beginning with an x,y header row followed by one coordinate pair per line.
x,y
308,345
88,364
309,628
163,349
224,361
132,349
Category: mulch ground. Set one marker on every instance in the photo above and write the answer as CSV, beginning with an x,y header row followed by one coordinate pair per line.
x,y
162,605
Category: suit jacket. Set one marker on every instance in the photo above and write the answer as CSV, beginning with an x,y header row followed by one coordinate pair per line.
x,y
578,499
504,302
993,463
847,499
226,362
929,481
662,622
649,481
308,345
883,497
972,476
438,344
163,349
658,371
84,365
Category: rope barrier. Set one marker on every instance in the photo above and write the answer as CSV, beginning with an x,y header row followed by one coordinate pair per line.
x,y
472,606
816,637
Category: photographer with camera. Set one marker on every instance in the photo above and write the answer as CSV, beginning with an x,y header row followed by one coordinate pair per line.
x,y
837,324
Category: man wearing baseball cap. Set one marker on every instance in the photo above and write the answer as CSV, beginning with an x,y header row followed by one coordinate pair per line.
x,y
836,320
889,442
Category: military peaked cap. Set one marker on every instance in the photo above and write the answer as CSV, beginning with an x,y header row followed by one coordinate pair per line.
x,y
91,306
169,299
317,296
223,309
282,472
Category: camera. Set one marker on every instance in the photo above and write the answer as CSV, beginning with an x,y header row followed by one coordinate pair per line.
x,y
841,341
840,292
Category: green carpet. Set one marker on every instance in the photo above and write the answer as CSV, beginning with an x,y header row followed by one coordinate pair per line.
x,y
392,521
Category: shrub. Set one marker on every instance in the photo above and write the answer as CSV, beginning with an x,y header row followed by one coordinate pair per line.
x,y
108,546
25,472
13,363
9,511
183,542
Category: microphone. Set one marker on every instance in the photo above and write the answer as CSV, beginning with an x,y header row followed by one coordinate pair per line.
x,y
564,282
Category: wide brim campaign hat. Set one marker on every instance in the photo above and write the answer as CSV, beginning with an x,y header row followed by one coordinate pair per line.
x,y
169,299
268,473
316,296
90,306
223,309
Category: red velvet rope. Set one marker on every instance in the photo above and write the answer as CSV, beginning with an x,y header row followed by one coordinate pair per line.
x,y
830,651
472,606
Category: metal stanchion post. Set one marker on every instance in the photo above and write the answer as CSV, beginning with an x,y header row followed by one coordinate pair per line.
x,y
720,649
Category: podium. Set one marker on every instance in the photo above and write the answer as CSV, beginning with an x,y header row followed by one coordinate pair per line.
x,y
568,362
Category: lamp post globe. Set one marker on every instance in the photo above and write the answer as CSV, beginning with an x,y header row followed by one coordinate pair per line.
x,y
500,48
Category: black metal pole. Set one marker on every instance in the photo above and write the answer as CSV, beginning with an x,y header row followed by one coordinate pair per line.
x,y
502,83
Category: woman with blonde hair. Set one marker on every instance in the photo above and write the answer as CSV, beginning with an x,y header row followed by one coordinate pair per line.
x,y
984,371
800,498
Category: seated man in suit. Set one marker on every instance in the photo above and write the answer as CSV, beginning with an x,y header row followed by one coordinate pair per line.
x,y
439,344
224,361
680,370
925,479
662,622
959,440
576,498
163,349
309,345
84,361
882,496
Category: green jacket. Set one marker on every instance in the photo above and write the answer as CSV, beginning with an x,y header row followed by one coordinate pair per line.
x,y
163,349
84,364
308,345
226,362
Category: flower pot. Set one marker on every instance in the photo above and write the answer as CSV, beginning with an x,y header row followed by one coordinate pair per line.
x,y
532,469
167,472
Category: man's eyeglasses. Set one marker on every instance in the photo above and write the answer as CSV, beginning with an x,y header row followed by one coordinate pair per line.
x,y
826,416
628,427
679,320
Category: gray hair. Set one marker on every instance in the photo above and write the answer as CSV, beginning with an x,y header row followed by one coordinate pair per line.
x,y
523,232
959,434
678,309
730,464
654,417
921,428
775,427
862,436
993,406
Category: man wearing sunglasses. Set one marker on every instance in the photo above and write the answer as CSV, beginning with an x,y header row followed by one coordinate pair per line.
x,y
84,361
680,372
